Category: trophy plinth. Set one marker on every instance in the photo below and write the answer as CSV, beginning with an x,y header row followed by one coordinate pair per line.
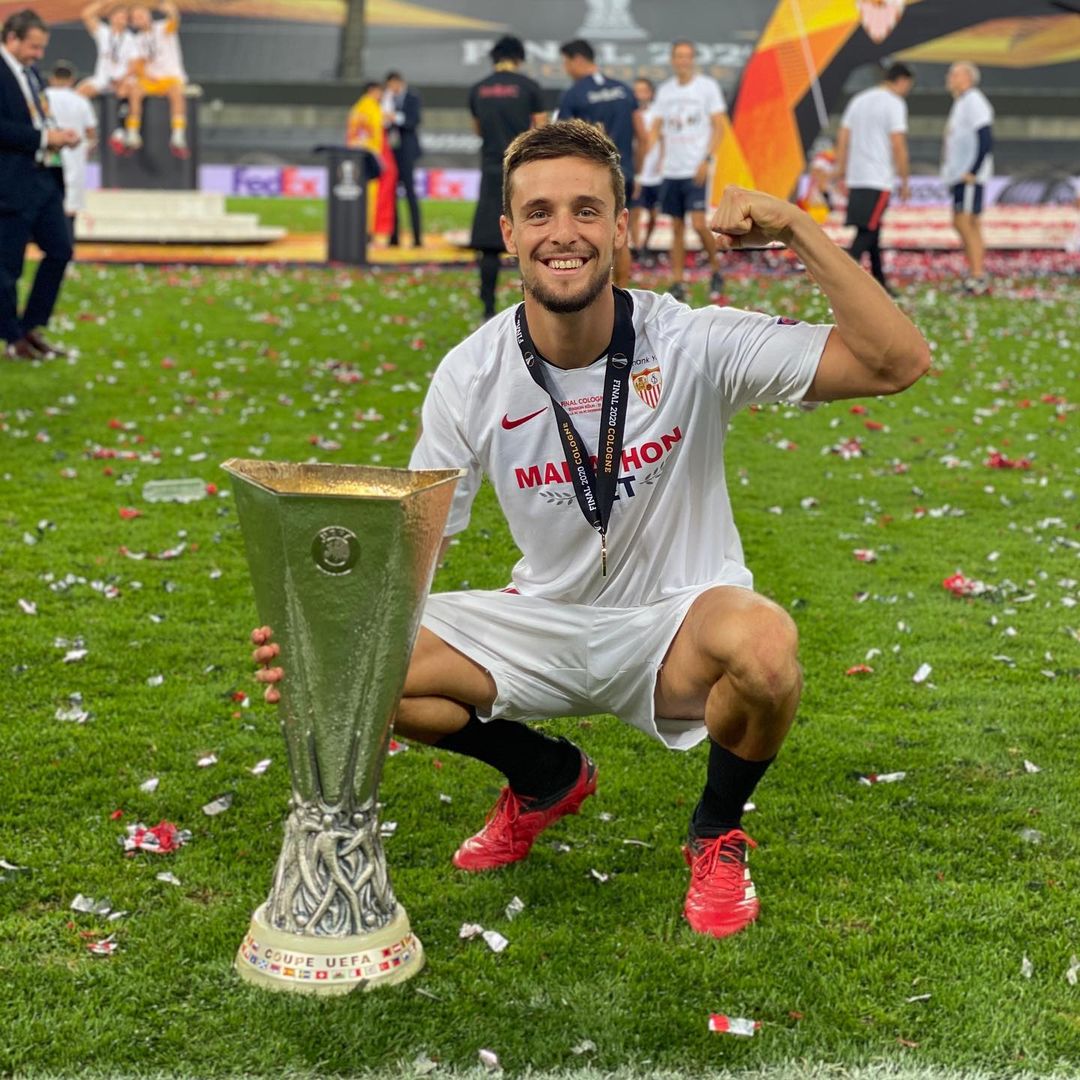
x,y
341,558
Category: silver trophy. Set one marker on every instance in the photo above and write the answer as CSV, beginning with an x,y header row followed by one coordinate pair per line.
x,y
610,19
341,558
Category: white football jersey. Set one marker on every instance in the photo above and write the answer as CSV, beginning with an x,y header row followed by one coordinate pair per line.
x,y
686,110
671,527
159,47
112,60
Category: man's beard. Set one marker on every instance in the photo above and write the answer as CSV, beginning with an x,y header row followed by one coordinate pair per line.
x,y
560,304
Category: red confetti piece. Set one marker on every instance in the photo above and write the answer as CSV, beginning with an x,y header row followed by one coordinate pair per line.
x,y
116,815
998,460
129,513
860,669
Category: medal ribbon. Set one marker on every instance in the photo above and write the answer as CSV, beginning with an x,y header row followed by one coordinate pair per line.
x,y
594,488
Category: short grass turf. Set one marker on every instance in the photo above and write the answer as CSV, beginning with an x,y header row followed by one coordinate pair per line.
x,y
873,896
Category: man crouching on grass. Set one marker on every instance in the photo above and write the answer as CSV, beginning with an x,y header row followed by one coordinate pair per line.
x,y
599,417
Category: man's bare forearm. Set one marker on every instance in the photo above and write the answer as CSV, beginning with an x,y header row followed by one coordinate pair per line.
x,y
876,331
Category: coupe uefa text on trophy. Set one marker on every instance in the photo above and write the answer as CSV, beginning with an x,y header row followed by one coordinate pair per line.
x,y
341,558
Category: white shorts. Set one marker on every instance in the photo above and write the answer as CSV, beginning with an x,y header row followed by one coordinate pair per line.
x,y
554,659
101,83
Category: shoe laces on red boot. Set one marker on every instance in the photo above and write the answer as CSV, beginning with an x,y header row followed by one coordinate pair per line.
x,y
721,899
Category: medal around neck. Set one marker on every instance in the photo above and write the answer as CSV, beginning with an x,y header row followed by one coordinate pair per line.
x,y
341,558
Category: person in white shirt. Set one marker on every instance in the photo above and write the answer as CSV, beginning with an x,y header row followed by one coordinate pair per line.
x,y
72,110
631,595
871,154
967,162
645,197
107,23
689,125
159,69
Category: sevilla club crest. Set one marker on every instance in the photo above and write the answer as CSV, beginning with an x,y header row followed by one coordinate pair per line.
x,y
879,17
648,384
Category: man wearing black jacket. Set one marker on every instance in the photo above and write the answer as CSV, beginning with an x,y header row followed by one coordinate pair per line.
x,y
31,188
405,143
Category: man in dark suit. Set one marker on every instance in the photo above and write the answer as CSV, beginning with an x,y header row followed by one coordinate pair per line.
x,y
31,188
405,143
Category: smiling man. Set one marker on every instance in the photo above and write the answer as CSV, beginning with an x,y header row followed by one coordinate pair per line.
x,y
599,417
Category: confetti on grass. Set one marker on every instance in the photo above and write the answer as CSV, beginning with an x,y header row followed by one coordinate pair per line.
x,y
733,1025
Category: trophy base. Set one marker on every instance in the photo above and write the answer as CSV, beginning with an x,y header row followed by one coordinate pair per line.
x,y
303,964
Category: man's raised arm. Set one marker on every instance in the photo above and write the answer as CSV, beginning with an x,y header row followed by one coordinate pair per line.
x,y
874,347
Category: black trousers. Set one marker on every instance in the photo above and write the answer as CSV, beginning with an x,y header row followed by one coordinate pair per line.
x,y
43,221
406,164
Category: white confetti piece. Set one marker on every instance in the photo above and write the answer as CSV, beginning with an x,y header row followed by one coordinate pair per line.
x,y
495,941
470,930
733,1025
1027,968
922,674
490,1060
916,998
89,906
1073,970
28,607
217,806
1031,767
168,877
515,908
73,656
260,767
586,1046
150,786
207,760
155,680
74,714
598,876
387,829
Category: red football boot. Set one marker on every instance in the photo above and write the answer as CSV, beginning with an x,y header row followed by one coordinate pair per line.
x,y
721,899
515,823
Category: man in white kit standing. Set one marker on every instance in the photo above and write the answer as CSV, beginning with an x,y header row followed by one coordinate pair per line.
x,y
689,110
631,595
967,162
871,154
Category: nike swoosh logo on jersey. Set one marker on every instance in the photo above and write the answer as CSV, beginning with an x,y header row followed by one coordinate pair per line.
x,y
511,424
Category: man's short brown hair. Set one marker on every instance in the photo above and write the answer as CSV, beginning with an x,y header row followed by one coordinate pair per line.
x,y
567,138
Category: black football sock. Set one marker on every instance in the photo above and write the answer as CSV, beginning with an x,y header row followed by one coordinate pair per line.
x,y
729,784
536,766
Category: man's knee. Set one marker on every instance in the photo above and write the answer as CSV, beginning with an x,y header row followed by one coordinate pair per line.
x,y
764,661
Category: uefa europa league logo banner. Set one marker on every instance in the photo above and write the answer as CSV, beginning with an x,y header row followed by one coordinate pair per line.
x,y
341,559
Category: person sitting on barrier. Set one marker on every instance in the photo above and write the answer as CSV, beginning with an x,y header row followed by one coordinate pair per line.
x,y
158,70
107,24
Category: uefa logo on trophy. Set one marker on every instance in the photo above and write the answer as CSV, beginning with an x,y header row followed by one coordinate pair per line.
x,y
341,559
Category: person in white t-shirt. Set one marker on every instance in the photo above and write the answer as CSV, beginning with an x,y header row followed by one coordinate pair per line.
x,y
631,595
159,70
71,109
871,154
107,23
689,125
648,178
967,162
